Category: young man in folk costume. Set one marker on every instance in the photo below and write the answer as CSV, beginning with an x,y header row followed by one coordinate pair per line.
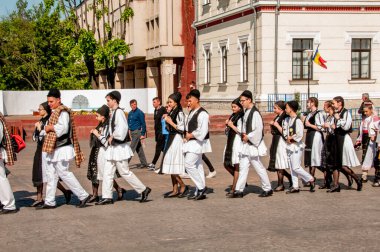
x,y
313,122
60,147
345,152
253,147
7,200
118,153
197,143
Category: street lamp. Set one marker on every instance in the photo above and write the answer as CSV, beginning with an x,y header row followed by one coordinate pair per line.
x,y
309,54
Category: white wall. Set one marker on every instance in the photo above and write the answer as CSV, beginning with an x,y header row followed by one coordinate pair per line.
x,y
25,102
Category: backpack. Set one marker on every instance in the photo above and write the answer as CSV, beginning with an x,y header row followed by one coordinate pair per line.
x,y
18,144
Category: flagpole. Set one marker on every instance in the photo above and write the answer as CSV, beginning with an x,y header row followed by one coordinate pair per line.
x,y
309,54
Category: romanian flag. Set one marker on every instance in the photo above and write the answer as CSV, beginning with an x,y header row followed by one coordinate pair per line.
x,y
319,60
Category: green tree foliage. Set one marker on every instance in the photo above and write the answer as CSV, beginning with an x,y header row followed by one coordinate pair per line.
x,y
38,51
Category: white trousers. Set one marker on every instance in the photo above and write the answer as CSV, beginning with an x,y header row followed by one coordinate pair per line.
x,y
6,194
61,169
296,170
194,167
245,161
123,169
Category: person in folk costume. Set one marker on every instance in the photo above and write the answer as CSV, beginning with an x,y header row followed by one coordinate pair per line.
x,y
278,161
253,147
96,162
375,136
233,145
39,162
313,123
364,139
292,130
196,143
174,161
345,152
7,199
328,164
61,146
118,153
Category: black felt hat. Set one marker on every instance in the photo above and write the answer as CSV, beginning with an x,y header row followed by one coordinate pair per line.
x,y
195,93
247,94
54,92
115,95
293,105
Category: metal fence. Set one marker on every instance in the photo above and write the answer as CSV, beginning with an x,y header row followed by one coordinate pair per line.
x,y
272,98
357,118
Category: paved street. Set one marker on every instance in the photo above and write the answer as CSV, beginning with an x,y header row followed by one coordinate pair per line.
x,y
345,221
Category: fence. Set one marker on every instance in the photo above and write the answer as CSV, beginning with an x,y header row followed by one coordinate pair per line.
x,y
357,118
272,98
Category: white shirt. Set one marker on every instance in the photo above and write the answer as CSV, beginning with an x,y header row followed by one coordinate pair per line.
x,y
200,144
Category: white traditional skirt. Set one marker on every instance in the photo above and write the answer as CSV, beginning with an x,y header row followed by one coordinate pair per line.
x,y
349,155
316,150
369,156
101,162
119,152
281,155
174,159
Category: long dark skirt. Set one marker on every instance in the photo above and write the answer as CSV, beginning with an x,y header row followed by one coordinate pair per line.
x,y
273,151
92,172
365,142
37,167
329,153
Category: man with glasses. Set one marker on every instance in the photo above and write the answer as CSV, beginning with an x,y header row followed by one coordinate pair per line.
x,y
253,147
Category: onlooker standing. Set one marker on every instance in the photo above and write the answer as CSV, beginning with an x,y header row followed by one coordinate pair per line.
x,y
159,111
137,131
365,98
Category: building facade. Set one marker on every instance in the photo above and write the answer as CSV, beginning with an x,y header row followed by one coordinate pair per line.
x,y
161,43
264,46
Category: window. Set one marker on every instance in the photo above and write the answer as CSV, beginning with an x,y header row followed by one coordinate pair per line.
x,y
244,62
207,66
223,52
300,68
361,59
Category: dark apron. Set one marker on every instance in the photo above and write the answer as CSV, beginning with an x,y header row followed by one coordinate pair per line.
x,y
365,142
273,151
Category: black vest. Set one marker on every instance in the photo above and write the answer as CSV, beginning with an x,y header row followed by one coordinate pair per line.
x,y
340,131
116,141
281,118
173,115
248,123
311,121
65,139
192,125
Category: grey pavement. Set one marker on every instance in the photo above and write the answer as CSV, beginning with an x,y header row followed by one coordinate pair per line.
x,y
345,221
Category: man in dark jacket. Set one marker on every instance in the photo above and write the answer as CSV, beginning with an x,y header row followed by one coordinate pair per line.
x,y
159,111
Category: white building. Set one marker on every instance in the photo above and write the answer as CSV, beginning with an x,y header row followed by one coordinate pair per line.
x,y
236,49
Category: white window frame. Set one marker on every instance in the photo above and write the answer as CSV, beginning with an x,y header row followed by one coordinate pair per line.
x,y
223,45
207,52
241,40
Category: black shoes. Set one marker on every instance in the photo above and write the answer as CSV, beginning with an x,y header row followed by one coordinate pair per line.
x,y
235,194
67,195
293,190
37,203
43,207
170,195
104,202
144,195
184,193
202,194
266,194
312,186
7,211
121,193
334,189
93,199
84,202
360,185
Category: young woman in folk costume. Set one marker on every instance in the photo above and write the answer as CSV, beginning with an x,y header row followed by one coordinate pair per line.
x,y
345,156
234,143
174,160
364,139
99,143
293,133
278,161
375,137
39,162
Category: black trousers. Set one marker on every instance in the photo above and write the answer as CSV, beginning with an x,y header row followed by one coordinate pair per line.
x,y
160,144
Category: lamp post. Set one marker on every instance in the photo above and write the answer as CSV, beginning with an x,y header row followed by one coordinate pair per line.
x,y
309,54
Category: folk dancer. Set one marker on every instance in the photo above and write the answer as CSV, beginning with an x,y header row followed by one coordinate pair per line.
x,y
118,153
196,143
253,147
61,146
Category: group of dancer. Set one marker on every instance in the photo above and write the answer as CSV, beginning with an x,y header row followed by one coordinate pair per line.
x,y
185,143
